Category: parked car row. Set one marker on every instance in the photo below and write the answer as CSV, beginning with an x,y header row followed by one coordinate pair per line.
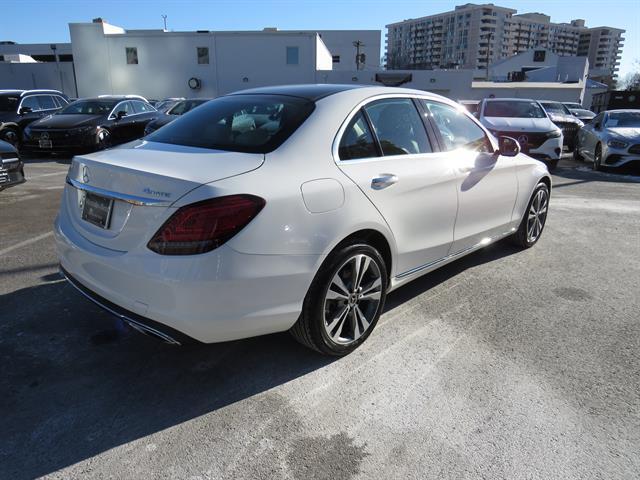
x,y
40,122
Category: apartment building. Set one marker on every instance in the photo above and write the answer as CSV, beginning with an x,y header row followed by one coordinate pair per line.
x,y
476,35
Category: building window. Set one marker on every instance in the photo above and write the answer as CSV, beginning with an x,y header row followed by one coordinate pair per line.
x,y
292,56
335,58
203,55
132,55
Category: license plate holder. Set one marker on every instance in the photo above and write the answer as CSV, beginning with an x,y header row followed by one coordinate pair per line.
x,y
97,210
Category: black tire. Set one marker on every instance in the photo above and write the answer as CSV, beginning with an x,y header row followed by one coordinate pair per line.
x,y
10,135
310,329
103,137
576,152
521,237
597,158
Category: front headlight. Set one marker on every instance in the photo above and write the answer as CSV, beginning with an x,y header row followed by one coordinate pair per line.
x,y
580,123
554,133
617,143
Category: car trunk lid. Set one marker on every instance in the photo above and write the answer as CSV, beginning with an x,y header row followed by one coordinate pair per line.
x,y
138,184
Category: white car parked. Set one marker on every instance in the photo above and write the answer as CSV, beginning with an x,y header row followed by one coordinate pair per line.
x,y
290,208
526,121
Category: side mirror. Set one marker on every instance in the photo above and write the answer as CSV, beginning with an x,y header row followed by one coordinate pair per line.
x,y
508,147
121,114
25,110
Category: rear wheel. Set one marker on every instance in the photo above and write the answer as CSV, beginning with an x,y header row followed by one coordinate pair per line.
x,y
344,302
597,158
534,218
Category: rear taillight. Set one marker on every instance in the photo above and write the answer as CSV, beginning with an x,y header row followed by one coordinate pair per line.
x,y
203,226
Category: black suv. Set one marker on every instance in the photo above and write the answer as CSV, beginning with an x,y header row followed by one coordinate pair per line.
x,y
18,108
89,124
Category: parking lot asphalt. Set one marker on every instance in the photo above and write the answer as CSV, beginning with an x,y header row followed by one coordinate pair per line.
x,y
505,364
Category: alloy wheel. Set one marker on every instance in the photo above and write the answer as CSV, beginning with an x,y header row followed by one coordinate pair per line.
x,y
352,299
537,215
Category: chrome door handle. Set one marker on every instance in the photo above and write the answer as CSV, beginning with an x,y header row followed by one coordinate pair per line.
x,y
383,181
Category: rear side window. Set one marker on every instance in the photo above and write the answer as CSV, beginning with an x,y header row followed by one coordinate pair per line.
x,y
9,104
456,129
398,126
241,123
141,107
46,102
357,140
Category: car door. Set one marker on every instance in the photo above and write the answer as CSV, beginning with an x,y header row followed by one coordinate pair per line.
x,y
123,128
588,136
144,114
486,185
386,151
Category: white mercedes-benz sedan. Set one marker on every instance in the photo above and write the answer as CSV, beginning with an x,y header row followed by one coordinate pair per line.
x,y
291,208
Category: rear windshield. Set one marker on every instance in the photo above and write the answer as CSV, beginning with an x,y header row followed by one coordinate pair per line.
x,y
513,109
240,123
88,107
9,104
555,107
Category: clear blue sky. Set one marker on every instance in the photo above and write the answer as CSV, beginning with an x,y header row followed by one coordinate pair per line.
x,y
42,21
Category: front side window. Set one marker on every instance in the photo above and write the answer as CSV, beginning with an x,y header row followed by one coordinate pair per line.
x,y
357,140
239,123
32,103
132,55
398,126
203,55
456,129
125,107
292,56
513,109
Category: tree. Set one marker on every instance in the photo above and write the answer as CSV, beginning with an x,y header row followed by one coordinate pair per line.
x,y
631,80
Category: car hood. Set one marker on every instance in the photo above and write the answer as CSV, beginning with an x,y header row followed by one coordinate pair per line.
x,y
583,113
627,133
66,121
511,124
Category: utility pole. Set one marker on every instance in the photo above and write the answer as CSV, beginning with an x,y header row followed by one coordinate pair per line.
x,y
358,44
164,18
488,50
54,47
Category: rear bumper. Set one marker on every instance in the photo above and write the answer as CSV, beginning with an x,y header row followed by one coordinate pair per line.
x,y
218,296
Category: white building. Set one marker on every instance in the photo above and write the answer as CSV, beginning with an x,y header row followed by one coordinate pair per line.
x,y
474,35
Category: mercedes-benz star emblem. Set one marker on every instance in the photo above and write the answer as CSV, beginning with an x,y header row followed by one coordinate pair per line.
x,y
44,136
523,139
85,174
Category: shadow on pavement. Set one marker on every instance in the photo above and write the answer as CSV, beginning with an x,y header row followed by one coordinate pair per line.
x,y
71,387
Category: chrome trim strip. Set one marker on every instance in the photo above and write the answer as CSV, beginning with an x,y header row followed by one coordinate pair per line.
x,y
132,199
142,328
453,255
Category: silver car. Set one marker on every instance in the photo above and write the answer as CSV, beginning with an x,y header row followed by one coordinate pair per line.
x,y
612,139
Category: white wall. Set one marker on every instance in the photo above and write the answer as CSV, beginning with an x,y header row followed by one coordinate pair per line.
x,y
27,76
167,60
340,42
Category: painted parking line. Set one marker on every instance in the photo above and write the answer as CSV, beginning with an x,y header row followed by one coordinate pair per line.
x,y
25,243
33,177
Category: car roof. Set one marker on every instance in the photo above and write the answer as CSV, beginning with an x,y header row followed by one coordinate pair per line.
x,y
116,97
311,92
512,100
624,110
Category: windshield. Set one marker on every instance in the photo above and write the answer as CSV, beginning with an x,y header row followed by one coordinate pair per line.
x,y
555,107
184,106
624,119
89,107
513,109
240,123
9,103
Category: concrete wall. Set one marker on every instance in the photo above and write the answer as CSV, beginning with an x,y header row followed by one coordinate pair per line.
x,y
38,75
